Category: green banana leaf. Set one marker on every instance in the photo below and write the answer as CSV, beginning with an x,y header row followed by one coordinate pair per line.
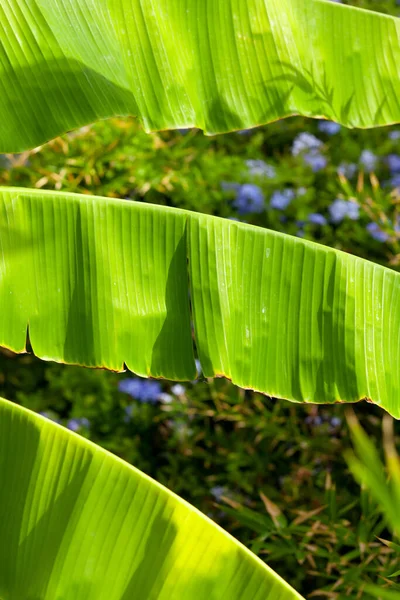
x,y
80,524
216,64
109,283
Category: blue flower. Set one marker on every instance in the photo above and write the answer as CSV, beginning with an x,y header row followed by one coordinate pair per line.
x,y
339,209
180,429
393,161
376,232
49,415
5,163
368,160
309,146
218,491
130,411
347,169
394,135
230,186
249,199
143,390
178,389
281,199
395,181
328,127
165,398
315,160
317,219
259,168
314,421
305,142
77,424
336,421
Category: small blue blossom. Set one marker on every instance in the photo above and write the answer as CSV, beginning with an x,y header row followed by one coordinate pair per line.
x,y
259,168
393,161
165,398
218,491
395,181
281,199
394,135
317,219
339,209
336,422
178,389
5,162
143,390
348,170
49,415
250,199
304,142
328,127
309,146
230,186
376,232
314,421
180,429
130,411
77,424
315,160
368,160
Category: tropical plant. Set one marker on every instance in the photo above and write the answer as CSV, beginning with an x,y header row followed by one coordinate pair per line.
x,y
79,523
367,468
109,283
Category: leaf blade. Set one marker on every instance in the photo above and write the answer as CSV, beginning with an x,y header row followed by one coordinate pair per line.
x,y
220,66
83,524
106,282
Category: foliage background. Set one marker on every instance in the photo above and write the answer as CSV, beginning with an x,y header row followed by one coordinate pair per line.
x,y
272,473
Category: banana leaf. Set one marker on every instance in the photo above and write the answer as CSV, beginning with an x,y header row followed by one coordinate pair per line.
x,y
115,284
80,524
219,65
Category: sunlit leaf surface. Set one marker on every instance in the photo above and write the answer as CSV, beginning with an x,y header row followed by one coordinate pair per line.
x,y
105,283
218,65
80,524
